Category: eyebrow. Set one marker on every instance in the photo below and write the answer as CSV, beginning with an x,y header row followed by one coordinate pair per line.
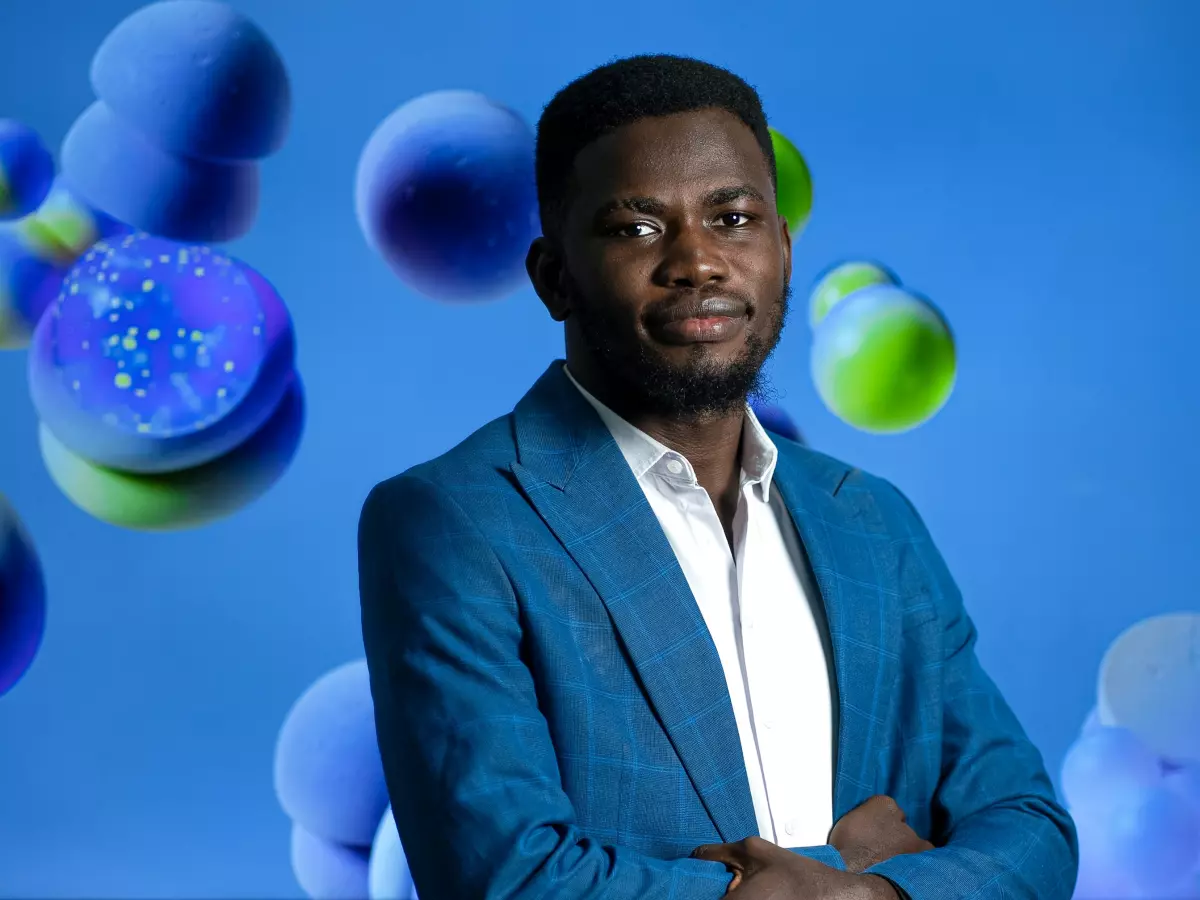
x,y
651,206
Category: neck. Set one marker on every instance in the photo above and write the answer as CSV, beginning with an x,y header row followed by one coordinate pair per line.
x,y
711,442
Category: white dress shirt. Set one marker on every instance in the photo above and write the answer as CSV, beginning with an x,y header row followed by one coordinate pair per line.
x,y
759,610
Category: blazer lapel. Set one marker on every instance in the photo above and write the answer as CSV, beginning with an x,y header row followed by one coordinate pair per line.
x,y
838,524
574,474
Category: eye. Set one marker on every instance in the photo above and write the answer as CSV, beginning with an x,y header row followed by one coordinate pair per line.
x,y
744,217
631,231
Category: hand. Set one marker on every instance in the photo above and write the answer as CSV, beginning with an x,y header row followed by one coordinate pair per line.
x,y
872,832
763,871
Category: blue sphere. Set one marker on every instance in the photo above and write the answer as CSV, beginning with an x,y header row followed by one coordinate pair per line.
x,y
446,195
159,357
389,877
165,194
22,599
328,871
195,78
328,772
1102,767
26,170
775,418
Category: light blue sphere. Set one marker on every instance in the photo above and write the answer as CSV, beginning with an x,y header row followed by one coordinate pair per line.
x,y
328,871
389,877
328,772
1101,769
195,78
1153,837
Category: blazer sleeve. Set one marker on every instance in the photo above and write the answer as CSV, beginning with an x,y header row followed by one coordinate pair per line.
x,y
470,768
1001,834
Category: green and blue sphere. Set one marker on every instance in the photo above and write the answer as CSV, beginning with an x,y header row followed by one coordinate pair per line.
x,y
838,282
884,360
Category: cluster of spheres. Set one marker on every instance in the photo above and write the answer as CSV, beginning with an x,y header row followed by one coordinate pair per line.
x,y
22,599
883,358
162,369
164,378
329,781
1132,778
191,95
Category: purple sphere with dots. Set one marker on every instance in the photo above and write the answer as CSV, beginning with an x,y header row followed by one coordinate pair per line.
x,y
159,356
26,170
446,195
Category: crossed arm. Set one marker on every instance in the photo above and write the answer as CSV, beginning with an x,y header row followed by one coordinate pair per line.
x,y
467,754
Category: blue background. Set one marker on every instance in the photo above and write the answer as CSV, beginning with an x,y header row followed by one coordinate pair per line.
x,y
1034,167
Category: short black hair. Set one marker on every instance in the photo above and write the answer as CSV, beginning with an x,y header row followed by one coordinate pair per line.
x,y
622,92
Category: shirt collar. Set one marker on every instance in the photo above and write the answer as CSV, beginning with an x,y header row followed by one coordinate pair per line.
x,y
645,455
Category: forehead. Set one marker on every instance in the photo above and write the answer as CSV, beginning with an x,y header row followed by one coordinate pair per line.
x,y
671,158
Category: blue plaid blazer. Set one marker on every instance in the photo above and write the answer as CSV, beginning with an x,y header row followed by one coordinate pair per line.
x,y
553,716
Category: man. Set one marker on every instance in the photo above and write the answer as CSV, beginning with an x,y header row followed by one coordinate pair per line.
x,y
624,620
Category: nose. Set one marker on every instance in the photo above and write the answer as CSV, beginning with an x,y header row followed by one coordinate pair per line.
x,y
691,259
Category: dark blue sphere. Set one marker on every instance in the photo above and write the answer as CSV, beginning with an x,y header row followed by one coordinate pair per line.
x,y
446,195
22,599
26,170
774,418
196,78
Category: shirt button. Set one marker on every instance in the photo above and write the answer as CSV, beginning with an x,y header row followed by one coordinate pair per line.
x,y
790,827
674,466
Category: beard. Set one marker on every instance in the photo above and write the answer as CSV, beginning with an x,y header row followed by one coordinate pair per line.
x,y
698,389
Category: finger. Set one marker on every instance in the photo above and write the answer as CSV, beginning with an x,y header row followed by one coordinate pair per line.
x,y
729,854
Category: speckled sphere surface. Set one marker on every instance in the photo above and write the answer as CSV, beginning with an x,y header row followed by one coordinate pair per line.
x,y
158,356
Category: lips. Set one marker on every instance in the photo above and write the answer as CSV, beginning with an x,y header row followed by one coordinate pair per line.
x,y
706,308
700,321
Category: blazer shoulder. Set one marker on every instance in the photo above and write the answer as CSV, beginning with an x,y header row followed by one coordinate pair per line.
x,y
475,463
837,475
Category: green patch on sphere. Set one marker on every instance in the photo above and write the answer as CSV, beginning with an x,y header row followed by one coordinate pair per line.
x,y
59,235
8,202
839,283
889,369
794,192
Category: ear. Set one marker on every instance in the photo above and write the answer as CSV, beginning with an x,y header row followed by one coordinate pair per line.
x,y
544,264
786,234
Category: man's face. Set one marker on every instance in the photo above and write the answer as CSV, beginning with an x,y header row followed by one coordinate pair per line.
x,y
676,264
